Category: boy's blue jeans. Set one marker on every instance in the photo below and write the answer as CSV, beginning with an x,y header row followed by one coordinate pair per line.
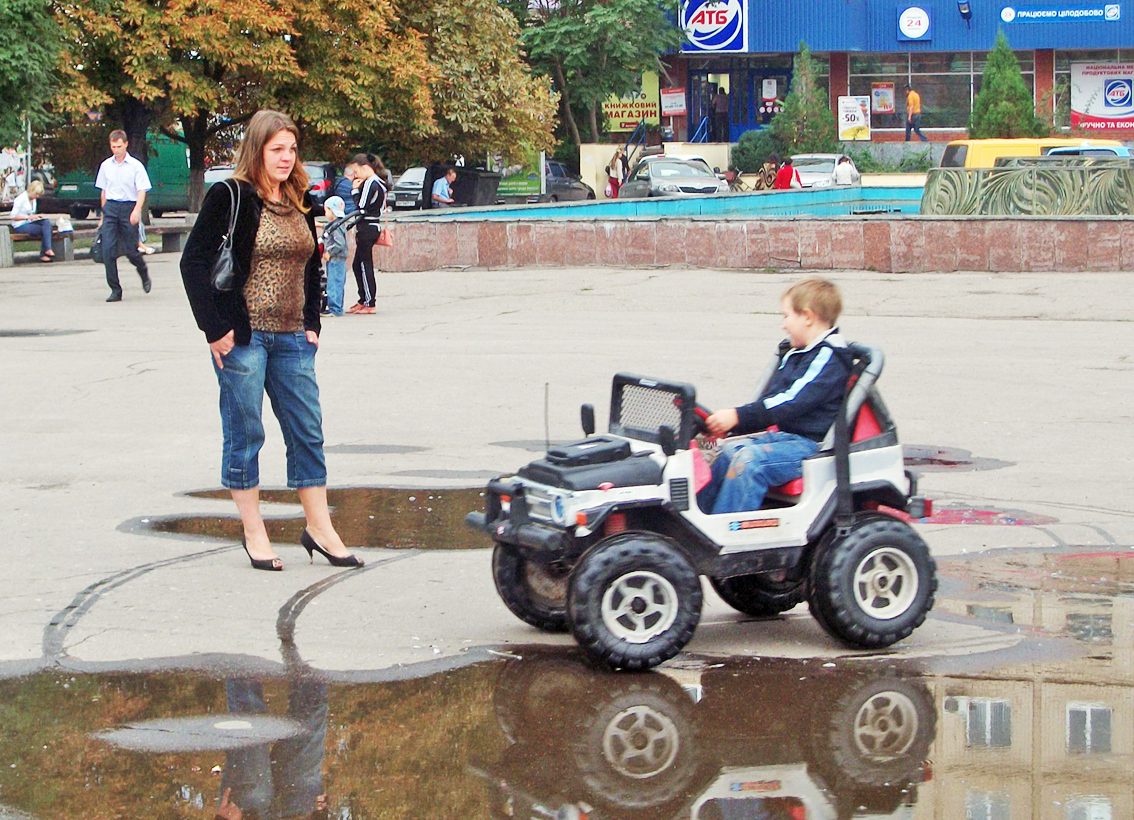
x,y
336,284
283,366
745,469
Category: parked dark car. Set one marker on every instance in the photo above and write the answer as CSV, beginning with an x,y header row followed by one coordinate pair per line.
x,y
407,191
564,186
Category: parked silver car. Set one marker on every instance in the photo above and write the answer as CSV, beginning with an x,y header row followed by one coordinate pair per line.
x,y
664,176
818,170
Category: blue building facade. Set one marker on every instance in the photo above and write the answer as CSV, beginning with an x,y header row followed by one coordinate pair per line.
x,y
876,47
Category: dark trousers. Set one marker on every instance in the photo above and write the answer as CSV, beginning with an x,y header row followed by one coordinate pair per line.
x,y
913,123
120,237
365,237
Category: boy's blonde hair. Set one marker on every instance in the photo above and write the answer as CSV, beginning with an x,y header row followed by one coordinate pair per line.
x,y
819,295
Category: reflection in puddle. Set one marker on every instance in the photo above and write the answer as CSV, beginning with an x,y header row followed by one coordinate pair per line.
x,y
364,516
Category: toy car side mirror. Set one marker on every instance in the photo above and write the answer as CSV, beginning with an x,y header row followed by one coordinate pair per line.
x,y
667,439
587,411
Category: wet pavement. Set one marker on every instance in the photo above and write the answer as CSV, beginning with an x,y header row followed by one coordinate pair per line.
x,y
144,668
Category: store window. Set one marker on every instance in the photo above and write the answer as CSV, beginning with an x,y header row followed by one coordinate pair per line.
x,y
946,81
1063,60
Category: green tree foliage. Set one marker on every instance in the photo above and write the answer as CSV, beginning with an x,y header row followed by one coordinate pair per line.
x,y
592,49
29,43
1004,108
805,125
484,95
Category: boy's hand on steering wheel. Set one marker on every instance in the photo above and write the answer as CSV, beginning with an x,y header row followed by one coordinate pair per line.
x,y
720,422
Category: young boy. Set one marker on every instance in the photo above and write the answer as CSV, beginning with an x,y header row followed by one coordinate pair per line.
x,y
335,253
801,402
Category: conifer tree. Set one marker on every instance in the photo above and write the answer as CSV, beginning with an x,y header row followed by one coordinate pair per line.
x,y
1004,108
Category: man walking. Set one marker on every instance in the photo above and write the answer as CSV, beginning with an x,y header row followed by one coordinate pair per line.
x,y
123,181
913,114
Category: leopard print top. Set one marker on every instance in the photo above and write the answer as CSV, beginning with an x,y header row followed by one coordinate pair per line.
x,y
274,291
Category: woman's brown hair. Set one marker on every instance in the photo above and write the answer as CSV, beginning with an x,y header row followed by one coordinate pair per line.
x,y
264,125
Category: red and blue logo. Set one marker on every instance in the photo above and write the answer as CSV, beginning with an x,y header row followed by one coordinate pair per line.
x,y
1118,93
714,25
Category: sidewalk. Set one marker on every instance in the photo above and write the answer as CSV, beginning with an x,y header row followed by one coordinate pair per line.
x,y
110,418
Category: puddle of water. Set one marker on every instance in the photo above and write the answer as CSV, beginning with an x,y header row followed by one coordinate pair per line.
x,y
932,459
23,334
364,516
543,734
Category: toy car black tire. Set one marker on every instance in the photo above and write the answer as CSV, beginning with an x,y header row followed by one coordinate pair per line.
x,y
535,593
875,586
878,734
759,595
634,600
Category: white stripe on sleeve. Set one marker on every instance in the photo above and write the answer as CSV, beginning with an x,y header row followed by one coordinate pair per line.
x,y
817,365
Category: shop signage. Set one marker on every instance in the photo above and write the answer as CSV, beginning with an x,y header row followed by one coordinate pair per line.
x,y
1063,13
624,113
1102,98
913,23
882,98
719,26
673,102
854,119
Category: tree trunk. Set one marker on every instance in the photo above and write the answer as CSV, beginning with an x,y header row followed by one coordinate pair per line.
x,y
565,102
592,118
197,134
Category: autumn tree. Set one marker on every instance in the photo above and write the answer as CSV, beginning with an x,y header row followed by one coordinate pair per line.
x,y
29,43
485,98
593,49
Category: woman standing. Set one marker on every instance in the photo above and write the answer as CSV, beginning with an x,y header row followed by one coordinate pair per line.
x,y
369,193
264,332
26,221
615,171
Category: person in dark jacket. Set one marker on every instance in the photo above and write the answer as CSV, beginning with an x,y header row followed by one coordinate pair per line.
x,y
264,332
795,410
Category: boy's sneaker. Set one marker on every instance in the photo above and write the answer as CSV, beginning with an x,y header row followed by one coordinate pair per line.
x,y
358,308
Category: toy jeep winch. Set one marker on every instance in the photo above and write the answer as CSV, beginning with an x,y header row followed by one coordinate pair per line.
x,y
604,536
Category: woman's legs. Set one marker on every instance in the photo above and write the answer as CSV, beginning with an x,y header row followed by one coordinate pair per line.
x,y
39,229
366,236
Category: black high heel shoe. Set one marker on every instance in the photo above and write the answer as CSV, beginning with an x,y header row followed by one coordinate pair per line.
x,y
270,564
335,561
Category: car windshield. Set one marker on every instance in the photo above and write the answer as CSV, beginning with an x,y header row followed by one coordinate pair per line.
x,y
814,165
678,169
413,177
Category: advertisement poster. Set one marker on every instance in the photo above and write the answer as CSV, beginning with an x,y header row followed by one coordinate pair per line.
x,y
1102,98
521,179
624,113
854,119
882,98
673,102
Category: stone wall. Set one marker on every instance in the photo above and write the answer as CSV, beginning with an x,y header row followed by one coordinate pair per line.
x,y
887,244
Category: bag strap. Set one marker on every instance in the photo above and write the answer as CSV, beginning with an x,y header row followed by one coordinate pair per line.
x,y
234,204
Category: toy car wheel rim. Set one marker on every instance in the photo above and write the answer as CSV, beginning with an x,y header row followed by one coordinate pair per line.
x,y
640,742
885,583
885,726
639,606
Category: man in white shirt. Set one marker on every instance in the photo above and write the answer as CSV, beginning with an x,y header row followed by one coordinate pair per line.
x,y
123,181
442,189
845,173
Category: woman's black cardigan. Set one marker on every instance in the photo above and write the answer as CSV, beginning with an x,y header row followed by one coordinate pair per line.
x,y
218,313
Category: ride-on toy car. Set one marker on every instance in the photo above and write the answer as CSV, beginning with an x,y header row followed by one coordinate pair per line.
x,y
605,537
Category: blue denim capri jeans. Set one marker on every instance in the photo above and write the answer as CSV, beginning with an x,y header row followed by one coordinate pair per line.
x,y
283,366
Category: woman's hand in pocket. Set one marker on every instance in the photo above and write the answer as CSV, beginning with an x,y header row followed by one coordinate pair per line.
x,y
222,347
313,338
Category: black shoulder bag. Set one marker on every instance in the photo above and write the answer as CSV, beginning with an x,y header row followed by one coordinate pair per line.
x,y
221,275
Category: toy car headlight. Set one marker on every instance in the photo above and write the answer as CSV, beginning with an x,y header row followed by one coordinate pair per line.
x,y
559,510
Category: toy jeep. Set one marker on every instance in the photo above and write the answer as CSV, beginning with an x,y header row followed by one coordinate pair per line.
x,y
605,537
